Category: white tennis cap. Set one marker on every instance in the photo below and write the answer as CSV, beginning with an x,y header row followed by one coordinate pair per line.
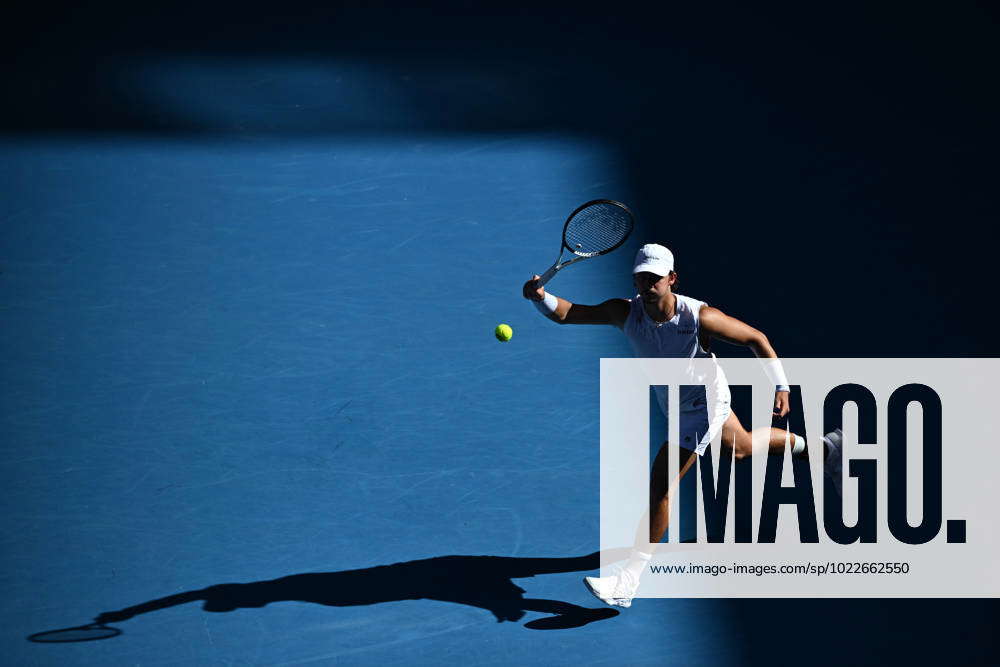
x,y
654,258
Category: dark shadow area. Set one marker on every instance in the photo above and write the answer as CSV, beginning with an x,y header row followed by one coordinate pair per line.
x,y
840,632
477,581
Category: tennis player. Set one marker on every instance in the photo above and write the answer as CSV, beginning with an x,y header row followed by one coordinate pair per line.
x,y
660,323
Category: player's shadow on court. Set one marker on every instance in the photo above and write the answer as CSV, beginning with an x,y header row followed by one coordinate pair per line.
x,y
477,581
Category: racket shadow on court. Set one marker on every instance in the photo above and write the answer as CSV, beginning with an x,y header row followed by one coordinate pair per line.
x,y
477,581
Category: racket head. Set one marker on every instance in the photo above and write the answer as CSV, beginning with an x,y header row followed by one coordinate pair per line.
x,y
597,227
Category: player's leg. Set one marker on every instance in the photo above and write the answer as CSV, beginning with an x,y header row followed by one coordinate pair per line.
x,y
661,492
762,440
619,589
772,441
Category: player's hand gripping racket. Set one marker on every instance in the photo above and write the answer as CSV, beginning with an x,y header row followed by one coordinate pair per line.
x,y
594,229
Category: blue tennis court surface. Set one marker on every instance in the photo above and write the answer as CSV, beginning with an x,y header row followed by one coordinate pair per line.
x,y
271,364
252,408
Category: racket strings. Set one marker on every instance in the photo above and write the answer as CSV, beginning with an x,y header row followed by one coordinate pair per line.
x,y
597,229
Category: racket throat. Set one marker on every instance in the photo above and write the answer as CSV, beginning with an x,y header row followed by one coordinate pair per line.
x,y
547,276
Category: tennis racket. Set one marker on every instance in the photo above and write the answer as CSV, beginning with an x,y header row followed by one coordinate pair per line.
x,y
595,228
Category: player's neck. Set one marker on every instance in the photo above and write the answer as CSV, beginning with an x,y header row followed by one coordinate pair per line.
x,y
664,309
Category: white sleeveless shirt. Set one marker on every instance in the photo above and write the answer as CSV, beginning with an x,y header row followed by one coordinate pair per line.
x,y
677,338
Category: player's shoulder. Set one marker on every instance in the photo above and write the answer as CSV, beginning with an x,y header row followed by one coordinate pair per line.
x,y
712,319
695,307
690,301
705,314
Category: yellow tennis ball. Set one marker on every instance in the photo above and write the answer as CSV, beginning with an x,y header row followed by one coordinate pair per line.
x,y
503,333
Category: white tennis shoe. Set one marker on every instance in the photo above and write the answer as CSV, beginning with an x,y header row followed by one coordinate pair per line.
x,y
616,590
833,465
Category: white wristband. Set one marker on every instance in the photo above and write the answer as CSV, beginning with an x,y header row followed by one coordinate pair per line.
x,y
775,373
548,305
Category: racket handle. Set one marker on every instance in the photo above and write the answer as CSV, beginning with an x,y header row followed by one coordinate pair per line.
x,y
547,276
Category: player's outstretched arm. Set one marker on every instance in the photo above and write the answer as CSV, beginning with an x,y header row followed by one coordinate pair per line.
x,y
561,311
717,324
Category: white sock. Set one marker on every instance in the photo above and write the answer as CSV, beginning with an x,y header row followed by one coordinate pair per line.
x,y
798,445
637,563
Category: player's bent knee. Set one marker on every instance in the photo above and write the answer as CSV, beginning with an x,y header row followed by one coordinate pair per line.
x,y
739,450
737,440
